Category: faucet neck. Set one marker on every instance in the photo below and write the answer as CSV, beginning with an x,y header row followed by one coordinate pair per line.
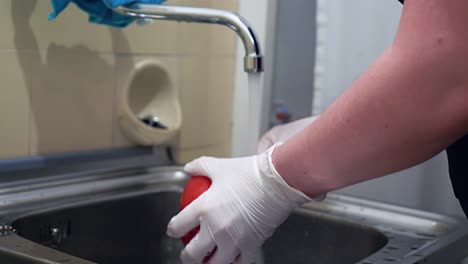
x,y
253,60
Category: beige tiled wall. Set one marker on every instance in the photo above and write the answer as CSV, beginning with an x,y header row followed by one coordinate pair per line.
x,y
60,80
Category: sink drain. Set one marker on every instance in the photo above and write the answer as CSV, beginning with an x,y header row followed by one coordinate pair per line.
x,y
6,230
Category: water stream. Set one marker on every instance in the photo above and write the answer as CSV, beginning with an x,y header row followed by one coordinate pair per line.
x,y
254,110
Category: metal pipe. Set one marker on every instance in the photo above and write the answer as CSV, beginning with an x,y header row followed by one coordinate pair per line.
x,y
253,60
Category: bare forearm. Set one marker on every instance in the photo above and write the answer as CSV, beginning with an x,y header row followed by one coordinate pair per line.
x,y
407,107
381,125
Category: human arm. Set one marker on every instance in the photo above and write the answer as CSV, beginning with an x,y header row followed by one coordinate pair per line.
x,y
408,106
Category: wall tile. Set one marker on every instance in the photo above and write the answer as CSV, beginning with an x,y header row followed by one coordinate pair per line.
x,y
14,23
206,98
72,101
231,5
62,78
175,2
206,38
159,37
221,150
125,66
15,84
25,26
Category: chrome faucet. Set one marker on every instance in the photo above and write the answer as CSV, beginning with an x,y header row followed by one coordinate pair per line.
x,y
253,60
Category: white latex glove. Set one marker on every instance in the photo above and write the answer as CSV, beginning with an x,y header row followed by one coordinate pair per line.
x,y
246,202
282,133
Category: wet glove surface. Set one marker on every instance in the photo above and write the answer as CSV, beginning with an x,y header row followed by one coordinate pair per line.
x,y
283,133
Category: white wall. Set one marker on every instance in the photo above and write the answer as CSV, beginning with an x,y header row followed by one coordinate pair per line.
x,y
355,33
294,57
351,35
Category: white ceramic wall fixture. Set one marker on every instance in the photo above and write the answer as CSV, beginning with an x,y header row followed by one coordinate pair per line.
x,y
150,91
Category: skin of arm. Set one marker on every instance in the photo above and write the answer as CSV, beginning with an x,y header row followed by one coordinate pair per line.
x,y
409,105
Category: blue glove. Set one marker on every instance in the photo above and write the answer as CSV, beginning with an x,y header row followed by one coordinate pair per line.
x,y
98,10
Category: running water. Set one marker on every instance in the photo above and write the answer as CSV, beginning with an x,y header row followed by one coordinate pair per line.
x,y
254,110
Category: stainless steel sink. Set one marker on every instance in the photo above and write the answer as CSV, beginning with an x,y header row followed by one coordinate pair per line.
x,y
132,230
120,216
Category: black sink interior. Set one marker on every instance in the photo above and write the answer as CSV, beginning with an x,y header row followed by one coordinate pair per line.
x,y
308,239
133,230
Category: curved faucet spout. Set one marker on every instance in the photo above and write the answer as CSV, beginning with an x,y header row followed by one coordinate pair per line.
x,y
253,60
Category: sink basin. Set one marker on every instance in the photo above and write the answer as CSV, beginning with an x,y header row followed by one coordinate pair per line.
x,y
308,238
121,216
133,230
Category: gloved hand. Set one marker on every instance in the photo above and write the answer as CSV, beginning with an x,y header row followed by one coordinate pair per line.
x,y
247,200
282,133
